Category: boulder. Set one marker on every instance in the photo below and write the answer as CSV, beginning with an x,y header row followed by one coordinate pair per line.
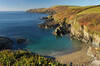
x,y
41,25
21,40
95,63
61,30
5,43
44,18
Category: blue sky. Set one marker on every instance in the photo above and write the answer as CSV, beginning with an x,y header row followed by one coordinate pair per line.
x,y
20,5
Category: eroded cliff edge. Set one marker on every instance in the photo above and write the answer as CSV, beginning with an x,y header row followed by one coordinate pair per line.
x,y
80,23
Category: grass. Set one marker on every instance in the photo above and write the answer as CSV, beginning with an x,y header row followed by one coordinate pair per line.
x,y
86,15
92,21
70,11
59,6
91,10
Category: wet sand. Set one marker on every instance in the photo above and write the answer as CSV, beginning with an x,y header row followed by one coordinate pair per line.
x,y
77,58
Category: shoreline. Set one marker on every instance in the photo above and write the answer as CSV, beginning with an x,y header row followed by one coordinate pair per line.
x,y
74,57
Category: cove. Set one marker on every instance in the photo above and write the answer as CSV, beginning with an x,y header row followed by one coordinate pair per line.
x,y
19,24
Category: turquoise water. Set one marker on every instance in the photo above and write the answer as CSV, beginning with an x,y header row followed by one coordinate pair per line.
x,y
24,25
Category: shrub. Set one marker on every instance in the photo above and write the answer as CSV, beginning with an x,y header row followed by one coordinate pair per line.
x,y
23,58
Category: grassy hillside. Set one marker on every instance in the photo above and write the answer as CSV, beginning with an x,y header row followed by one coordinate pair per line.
x,y
90,18
84,21
51,10
91,10
70,12
85,15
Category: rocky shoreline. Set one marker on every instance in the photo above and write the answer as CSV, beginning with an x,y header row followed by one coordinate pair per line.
x,y
62,28
74,57
7,43
81,33
70,20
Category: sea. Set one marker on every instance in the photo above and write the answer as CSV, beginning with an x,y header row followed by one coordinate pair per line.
x,y
21,24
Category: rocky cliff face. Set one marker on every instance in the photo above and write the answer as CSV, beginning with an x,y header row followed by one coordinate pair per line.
x,y
73,27
81,32
81,26
5,43
96,40
95,54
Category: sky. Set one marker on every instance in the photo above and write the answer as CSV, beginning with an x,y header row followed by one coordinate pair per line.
x,y
22,5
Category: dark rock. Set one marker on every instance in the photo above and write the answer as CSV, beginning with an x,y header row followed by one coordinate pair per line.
x,y
68,25
62,29
41,25
56,25
71,64
58,32
47,25
5,43
21,40
49,20
44,18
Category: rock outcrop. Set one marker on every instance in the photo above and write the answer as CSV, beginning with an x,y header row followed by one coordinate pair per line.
x,y
5,43
62,29
49,23
80,23
76,30
82,33
21,40
95,54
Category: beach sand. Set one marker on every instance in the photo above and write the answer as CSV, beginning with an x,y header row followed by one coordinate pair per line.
x,y
78,58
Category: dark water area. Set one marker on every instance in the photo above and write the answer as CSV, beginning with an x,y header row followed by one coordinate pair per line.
x,y
25,25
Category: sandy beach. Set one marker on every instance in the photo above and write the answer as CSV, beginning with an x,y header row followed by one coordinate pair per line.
x,y
77,58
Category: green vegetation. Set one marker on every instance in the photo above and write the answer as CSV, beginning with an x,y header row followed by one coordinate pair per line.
x,y
91,10
58,6
88,16
85,15
23,58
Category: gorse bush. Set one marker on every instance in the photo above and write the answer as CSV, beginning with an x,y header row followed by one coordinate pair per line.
x,y
23,58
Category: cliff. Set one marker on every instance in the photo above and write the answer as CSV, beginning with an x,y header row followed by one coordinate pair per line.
x,y
80,22
84,21
51,10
